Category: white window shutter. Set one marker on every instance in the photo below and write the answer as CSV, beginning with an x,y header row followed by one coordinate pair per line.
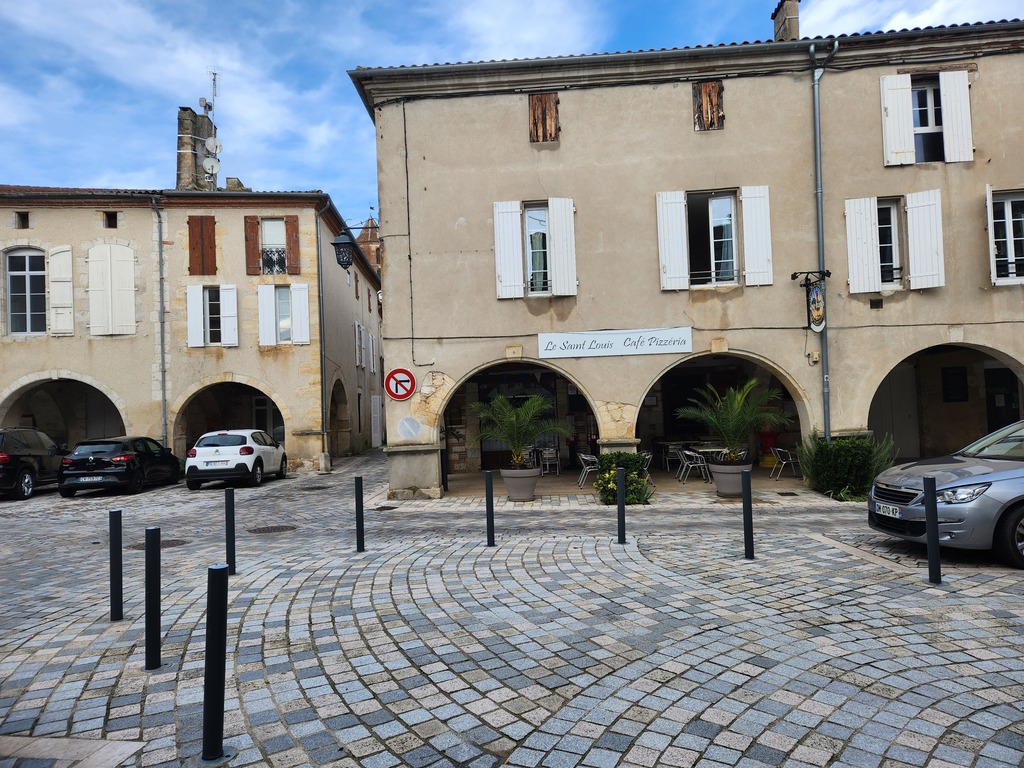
x,y
362,342
862,245
228,316
122,290
376,422
924,239
957,136
757,236
99,290
897,121
267,314
300,313
508,249
195,315
990,213
62,292
562,246
359,348
373,353
675,273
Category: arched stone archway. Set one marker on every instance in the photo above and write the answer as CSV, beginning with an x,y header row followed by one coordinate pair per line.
x,y
227,405
65,408
339,431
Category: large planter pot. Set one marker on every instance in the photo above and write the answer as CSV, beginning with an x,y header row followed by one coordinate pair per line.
x,y
728,478
521,484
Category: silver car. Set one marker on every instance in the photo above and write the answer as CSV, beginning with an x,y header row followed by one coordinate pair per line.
x,y
980,492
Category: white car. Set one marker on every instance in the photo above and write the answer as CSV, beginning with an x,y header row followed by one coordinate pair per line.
x,y
234,454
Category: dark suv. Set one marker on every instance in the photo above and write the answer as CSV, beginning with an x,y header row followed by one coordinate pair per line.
x,y
28,459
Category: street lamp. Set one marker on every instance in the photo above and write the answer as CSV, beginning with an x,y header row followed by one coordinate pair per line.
x,y
344,250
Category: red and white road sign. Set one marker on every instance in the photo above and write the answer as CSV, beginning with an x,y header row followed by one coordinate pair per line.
x,y
400,384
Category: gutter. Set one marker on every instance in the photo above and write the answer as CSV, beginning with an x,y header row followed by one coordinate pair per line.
x,y
163,318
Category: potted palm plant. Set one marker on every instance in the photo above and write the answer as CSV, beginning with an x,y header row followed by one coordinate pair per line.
x,y
731,418
518,426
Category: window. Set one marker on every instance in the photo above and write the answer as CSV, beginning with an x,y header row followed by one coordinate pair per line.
x,y
21,220
283,314
535,248
272,245
698,241
927,118
111,290
202,245
544,127
1006,236
708,108
211,315
879,259
26,291
110,219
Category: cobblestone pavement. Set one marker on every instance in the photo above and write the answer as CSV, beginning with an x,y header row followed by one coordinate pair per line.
x,y
557,647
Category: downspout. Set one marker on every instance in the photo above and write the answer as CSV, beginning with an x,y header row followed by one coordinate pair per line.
x,y
819,71
325,456
163,321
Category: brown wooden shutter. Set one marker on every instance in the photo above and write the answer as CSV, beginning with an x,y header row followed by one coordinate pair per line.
x,y
252,245
202,245
708,109
543,117
291,244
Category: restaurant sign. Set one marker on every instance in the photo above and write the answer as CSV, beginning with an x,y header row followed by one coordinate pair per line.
x,y
643,341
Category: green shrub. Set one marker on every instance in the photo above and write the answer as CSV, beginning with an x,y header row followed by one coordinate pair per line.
x,y
846,467
637,489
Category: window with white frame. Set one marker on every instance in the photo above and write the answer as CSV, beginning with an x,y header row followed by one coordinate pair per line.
x,y
880,257
111,290
535,248
703,235
272,247
927,118
211,315
1006,235
283,314
26,291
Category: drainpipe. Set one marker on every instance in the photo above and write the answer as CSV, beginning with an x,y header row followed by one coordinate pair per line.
x,y
163,325
325,456
819,71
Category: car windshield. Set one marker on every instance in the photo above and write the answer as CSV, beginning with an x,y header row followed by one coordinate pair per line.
x,y
86,449
220,441
1006,443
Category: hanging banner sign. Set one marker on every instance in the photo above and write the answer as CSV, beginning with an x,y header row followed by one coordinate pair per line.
x,y
642,341
816,305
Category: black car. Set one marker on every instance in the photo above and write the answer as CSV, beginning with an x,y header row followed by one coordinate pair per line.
x,y
117,462
28,459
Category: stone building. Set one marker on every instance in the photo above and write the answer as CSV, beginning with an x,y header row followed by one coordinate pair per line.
x,y
838,217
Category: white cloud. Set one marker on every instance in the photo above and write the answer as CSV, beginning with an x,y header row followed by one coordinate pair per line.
x,y
837,17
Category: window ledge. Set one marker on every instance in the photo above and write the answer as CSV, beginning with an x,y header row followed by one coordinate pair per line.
x,y
1001,281
719,288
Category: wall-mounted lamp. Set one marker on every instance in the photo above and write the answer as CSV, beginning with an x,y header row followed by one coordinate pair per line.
x,y
344,250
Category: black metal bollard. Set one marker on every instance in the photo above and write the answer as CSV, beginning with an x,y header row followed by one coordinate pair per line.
x,y
216,661
116,567
748,517
360,541
444,469
489,494
229,528
931,530
152,598
620,484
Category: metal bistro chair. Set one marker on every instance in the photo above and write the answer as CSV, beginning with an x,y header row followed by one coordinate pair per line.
x,y
589,462
782,458
688,460
549,462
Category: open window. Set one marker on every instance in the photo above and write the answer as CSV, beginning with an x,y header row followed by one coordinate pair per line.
x,y
211,313
927,118
535,248
272,245
1006,235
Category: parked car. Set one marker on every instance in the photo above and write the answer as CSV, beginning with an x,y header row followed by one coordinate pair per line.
x,y
128,462
980,496
28,459
234,454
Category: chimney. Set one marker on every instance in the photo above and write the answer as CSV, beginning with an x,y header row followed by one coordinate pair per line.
x,y
787,20
193,131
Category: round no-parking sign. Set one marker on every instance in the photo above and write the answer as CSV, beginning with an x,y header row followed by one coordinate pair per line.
x,y
400,384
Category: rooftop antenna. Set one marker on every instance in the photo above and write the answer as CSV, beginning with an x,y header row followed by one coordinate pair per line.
x,y
208,105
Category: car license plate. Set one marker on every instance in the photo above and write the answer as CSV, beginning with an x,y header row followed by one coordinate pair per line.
x,y
888,510
91,479
216,463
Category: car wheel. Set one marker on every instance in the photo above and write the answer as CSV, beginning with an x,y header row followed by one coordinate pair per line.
x,y
25,486
193,485
175,475
1009,538
136,482
256,477
282,473
67,493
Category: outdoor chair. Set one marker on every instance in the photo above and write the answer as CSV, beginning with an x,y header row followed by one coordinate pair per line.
x,y
689,460
549,462
782,458
589,462
648,458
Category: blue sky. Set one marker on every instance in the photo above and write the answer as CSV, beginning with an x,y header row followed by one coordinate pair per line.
x,y
89,90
